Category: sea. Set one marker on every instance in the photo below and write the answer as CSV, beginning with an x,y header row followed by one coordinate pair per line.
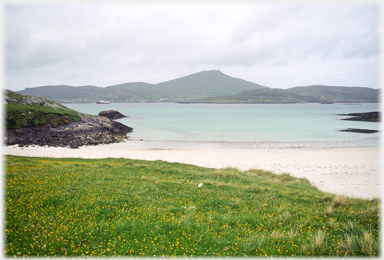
x,y
241,123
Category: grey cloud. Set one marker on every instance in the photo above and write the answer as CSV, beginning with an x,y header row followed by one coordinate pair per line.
x,y
114,43
300,32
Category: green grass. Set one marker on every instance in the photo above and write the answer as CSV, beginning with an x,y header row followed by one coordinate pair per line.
x,y
19,114
123,207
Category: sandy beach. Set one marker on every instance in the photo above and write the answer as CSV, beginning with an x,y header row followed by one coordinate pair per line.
x,y
350,171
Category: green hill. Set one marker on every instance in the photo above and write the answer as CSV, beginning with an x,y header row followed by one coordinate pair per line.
x,y
59,93
337,94
313,94
127,92
198,85
205,86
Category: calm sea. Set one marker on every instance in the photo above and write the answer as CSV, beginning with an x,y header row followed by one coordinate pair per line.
x,y
238,122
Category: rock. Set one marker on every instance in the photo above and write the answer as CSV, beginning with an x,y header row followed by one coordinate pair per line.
x,y
367,117
88,131
89,140
111,114
73,146
357,130
121,128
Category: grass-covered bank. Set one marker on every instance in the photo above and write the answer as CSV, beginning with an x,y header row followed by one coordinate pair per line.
x,y
106,207
24,110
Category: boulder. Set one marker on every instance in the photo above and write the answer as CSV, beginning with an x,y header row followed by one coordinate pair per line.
x,y
111,114
73,146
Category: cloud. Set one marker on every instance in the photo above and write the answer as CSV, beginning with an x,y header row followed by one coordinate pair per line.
x,y
106,44
296,33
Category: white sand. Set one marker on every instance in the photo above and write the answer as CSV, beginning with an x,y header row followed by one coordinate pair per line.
x,y
354,172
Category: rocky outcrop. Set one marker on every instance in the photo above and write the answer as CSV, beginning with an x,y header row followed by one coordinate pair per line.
x,y
357,130
85,130
89,131
367,117
14,97
111,114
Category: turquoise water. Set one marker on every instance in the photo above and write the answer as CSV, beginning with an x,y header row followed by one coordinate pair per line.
x,y
238,122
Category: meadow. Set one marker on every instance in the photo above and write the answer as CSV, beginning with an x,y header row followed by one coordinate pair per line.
x,y
123,207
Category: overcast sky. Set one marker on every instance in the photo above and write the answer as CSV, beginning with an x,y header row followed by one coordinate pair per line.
x,y
275,45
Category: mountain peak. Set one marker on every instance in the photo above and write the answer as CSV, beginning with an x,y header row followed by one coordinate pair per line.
x,y
213,71
207,72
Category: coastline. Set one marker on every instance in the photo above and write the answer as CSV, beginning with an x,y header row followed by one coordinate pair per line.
x,y
343,167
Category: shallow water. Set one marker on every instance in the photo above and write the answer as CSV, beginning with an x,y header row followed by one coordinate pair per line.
x,y
240,122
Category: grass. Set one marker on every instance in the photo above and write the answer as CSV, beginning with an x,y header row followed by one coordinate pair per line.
x,y
123,207
19,114
33,114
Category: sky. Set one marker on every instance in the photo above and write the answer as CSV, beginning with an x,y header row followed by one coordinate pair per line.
x,y
278,45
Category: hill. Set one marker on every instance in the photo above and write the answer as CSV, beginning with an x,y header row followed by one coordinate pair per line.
x,y
199,85
206,86
313,94
338,94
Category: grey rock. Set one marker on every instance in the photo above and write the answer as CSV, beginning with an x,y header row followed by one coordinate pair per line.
x,y
111,114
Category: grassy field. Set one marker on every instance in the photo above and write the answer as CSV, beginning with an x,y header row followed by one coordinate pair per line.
x,y
123,207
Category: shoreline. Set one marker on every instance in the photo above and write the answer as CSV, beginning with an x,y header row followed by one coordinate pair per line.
x,y
342,168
